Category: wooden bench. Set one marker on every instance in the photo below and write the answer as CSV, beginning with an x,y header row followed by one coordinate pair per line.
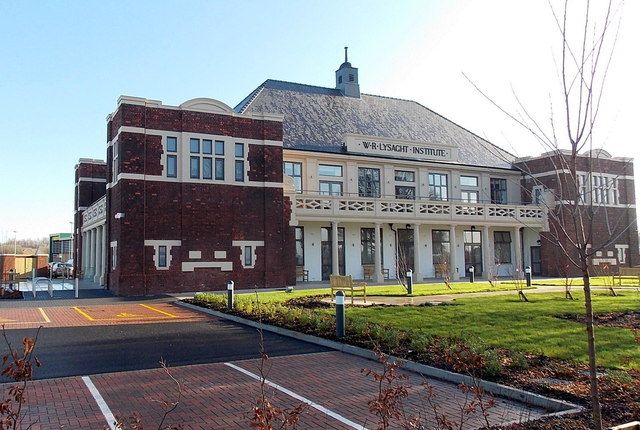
x,y
302,273
632,273
345,283
368,271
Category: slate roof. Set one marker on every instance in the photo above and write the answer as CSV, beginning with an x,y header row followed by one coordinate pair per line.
x,y
316,118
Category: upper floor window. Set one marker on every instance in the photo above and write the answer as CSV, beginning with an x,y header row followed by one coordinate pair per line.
x,y
405,176
331,188
329,170
172,156
438,186
368,182
114,161
295,171
469,196
219,160
406,190
469,181
498,191
582,187
536,195
239,163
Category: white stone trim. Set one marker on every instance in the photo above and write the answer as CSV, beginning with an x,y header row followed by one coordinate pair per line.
x,y
114,254
88,179
622,252
156,250
219,254
195,255
578,172
159,178
190,266
253,244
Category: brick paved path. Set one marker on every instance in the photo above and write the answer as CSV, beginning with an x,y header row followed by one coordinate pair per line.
x,y
219,396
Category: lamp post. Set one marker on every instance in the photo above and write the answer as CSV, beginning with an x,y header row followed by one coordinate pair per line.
x,y
15,246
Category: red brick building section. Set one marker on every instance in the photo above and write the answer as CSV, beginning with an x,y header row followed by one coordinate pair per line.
x,y
213,230
91,179
606,184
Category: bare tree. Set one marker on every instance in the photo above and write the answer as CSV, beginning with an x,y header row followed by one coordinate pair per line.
x,y
580,222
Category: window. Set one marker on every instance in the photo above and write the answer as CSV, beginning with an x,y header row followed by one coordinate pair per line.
x,y
368,182
469,196
295,171
469,181
194,167
194,146
582,188
471,236
248,256
162,256
441,246
219,162
498,191
615,196
438,186
206,168
368,246
405,176
404,192
207,146
114,163
502,247
601,189
351,77
536,195
299,235
172,157
329,170
339,79
239,164
330,188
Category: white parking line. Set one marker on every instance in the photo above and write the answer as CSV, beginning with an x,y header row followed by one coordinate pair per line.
x,y
46,318
322,409
104,408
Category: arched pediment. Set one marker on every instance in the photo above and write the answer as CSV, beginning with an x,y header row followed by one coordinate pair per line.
x,y
207,105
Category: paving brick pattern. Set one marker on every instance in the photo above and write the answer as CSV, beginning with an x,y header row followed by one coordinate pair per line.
x,y
215,396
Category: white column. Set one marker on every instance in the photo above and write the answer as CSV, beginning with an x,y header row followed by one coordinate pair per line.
x,y
517,261
83,256
417,255
452,255
98,272
487,255
379,278
92,254
335,265
104,255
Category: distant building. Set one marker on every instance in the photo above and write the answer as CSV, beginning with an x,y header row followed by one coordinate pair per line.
x,y
329,180
60,247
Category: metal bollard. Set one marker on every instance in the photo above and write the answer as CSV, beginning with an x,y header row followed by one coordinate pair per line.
x,y
527,275
472,274
340,314
76,287
410,282
230,295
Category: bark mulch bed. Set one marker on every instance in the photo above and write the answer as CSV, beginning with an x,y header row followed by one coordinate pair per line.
x,y
629,319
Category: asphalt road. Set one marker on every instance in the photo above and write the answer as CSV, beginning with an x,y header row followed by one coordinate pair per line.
x,y
73,351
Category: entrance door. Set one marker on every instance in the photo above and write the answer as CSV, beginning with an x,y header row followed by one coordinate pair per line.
x,y
405,250
536,266
472,252
327,254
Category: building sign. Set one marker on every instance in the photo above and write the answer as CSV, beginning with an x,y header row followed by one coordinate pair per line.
x,y
397,148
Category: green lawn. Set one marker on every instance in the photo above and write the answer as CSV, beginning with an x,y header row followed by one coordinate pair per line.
x,y
505,322
393,290
599,281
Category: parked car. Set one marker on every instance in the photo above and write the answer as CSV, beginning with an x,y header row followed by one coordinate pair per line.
x,y
62,270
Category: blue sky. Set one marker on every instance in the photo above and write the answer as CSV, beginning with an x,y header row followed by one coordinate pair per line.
x,y
64,64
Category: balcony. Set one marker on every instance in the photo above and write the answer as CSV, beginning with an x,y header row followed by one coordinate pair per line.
x,y
315,207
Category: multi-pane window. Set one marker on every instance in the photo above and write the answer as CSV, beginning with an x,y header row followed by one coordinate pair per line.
x,y
295,171
601,189
329,170
502,247
239,164
172,156
498,191
162,256
331,188
219,160
469,181
438,186
299,232
368,245
582,187
615,196
248,256
194,160
441,246
469,196
114,163
536,195
407,191
368,182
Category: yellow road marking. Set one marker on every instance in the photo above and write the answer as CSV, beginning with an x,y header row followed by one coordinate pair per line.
x,y
128,315
159,311
83,313
46,318
6,320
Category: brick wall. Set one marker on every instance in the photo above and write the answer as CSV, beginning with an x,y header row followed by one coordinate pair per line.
x,y
205,217
606,225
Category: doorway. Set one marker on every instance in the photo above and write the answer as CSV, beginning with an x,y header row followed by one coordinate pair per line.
x,y
472,252
536,261
326,253
405,251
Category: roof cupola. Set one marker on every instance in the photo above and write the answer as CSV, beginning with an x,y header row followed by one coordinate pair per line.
x,y
347,78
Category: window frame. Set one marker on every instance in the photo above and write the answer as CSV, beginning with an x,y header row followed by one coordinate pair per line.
x,y
473,184
297,178
498,194
502,247
299,241
320,166
372,189
432,187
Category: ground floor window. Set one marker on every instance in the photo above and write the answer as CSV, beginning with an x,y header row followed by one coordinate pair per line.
x,y
299,235
368,246
441,242
472,252
502,247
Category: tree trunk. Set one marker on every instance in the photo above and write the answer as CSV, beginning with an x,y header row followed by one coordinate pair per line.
x,y
591,342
